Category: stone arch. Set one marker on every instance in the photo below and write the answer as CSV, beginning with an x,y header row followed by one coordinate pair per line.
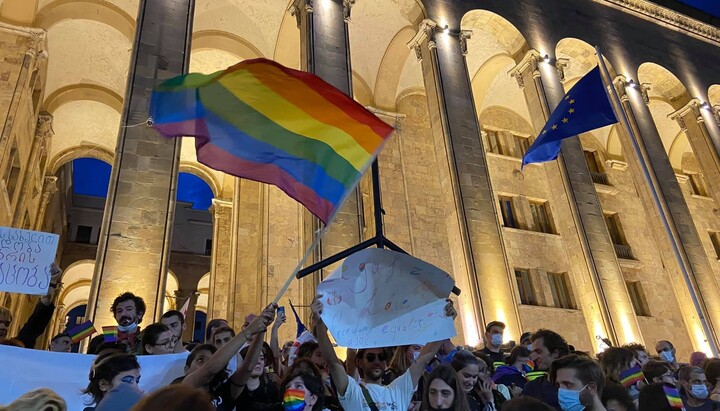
x,y
362,92
391,67
92,92
613,148
663,84
714,96
505,118
483,78
591,142
77,278
203,288
222,40
171,285
83,150
506,38
678,150
287,44
204,173
101,11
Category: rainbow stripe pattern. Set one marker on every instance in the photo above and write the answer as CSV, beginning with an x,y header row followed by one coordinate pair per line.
x,y
81,331
673,396
294,400
110,333
631,376
262,121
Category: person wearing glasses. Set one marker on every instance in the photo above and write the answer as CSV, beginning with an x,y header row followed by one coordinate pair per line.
x,y
370,395
157,339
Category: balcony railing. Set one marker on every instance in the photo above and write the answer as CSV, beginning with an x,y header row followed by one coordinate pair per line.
x,y
624,252
599,178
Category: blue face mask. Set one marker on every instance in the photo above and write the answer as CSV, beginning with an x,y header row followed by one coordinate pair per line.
x,y
699,391
569,400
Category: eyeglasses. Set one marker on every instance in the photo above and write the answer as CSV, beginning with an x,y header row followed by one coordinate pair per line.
x,y
166,344
371,357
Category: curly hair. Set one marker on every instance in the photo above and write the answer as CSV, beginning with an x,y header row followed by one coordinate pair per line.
x,y
140,306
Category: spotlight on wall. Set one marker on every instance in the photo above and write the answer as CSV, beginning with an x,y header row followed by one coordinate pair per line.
x,y
546,58
446,29
705,105
633,84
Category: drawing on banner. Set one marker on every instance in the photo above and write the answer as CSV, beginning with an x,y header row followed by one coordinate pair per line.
x,y
25,258
382,298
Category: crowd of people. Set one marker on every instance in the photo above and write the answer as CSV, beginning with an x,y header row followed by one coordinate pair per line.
x,y
239,370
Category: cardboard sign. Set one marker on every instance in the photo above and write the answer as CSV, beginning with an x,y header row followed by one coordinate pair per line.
x,y
381,298
25,258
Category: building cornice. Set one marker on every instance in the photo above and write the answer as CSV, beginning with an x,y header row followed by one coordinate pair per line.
x,y
679,21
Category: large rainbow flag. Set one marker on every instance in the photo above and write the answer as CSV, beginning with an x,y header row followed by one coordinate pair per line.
x,y
262,121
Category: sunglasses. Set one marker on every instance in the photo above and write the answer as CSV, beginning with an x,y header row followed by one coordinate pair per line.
x,y
371,357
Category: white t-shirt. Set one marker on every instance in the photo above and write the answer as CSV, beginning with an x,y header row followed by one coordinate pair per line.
x,y
394,397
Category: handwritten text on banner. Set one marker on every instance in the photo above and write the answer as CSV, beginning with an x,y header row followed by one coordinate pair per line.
x,y
25,258
380,298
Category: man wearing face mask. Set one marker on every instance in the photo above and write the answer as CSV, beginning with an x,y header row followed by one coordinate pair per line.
x,y
695,390
128,310
666,351
580,383
493,341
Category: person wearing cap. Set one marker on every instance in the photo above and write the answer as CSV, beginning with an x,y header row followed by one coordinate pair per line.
x,y
493,341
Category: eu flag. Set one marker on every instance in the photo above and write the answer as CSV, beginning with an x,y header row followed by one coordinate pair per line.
x,y
585,107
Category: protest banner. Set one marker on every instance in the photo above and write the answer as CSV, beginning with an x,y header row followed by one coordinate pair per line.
x,y
67,374
25,258
381,298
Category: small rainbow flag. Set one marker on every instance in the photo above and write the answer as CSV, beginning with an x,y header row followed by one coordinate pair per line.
x,y
631,376
294,400
81,331
673,396
530,364
110,333
262,121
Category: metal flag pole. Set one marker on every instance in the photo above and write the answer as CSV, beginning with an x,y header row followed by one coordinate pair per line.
x,y
669,227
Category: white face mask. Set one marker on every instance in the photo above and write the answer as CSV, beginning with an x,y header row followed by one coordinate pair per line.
x,y
127,328
529,347
416,355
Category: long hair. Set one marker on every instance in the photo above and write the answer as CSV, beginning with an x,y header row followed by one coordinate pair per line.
x,y
42,399
106,367
176,397
449,376
312,382
614,361
462,359
399,362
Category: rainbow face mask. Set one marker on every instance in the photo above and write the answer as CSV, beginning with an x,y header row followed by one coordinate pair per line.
x,y
294,400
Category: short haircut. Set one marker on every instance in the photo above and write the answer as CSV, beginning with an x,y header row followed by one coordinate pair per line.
x,y
222,330
202,347
174,313
635,347
655,369
517,352
59,336
615,391
307,349
688,370
492,324
128,296
712,370
553,341
214,323
586,370
665,341
151,335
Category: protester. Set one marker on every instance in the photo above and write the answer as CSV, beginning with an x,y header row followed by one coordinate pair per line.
x,y
616,398
258,392
697,359
311,350
513,373
666,351
493,340
443,391
175,321
42,399
639,351
302,391
157,339
113,385
400,361
176,397
211,326
694,389
128,310
473,379
614,362
61,343
658,372
712,372
580,383
548,346
526,340
40,317
654,398
221,336
372,361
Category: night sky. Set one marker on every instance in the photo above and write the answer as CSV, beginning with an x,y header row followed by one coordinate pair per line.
x,y
708,6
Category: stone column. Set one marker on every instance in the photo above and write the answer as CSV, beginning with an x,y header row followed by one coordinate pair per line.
x,y
671,220
43,133
693,123
600,284
325,51
136,232
479,258
221,260
49,189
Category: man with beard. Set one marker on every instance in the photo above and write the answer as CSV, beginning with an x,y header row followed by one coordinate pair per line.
x,y
371,395
175,321
40,317
128,310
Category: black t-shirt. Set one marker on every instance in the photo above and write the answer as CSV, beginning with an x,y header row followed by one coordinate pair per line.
x,y
220,394
494,356
265,397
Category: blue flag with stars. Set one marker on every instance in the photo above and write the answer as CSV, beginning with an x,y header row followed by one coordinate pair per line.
x,y
585,107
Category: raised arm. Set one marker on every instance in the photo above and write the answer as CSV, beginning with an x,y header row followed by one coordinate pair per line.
x,y
43,312
430,350
242,374
274,341
220,359
335,366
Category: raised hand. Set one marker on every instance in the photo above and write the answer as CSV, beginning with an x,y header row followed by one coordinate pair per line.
x,y
259,324
317,307
280,320
450,309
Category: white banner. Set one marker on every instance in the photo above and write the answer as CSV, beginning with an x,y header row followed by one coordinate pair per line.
x,y
25,258
381,298
67,374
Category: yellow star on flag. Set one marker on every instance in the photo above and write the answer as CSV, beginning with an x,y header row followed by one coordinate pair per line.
x,y
565,120
572,101
572,110
554,127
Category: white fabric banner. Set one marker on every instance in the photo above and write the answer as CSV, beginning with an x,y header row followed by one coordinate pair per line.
x,y
381,298
67,374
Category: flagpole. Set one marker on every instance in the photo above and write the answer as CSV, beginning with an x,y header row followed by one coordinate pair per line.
x,y
302,262
651,180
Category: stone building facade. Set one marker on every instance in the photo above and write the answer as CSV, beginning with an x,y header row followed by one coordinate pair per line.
x,y
618,239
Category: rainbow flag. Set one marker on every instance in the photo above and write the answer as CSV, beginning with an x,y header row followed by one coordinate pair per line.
x,y
530,364
294,400
262,121
81,331
673,396
110,333
631,376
